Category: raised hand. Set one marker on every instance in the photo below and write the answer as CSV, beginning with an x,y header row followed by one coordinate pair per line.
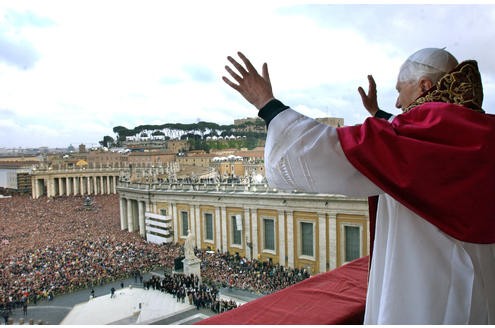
x,y
370,101
255,88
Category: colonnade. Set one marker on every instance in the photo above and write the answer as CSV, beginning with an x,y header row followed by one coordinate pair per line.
x,y
132,215
221,215
72,184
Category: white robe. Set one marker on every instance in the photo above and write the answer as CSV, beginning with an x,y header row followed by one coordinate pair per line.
x,y
419,275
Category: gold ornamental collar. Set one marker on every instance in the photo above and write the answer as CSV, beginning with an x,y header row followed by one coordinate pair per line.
x,y
461,86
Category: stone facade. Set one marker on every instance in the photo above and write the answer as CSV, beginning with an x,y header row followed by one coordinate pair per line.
x,y
298,230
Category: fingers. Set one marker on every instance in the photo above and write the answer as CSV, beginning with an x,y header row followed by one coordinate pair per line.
x,y
238,66
230,83
246,61
243,72
364,98
233,74
362,93
372,85
266,76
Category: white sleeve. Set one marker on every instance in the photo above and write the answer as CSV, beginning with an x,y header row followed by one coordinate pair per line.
x,y
303,154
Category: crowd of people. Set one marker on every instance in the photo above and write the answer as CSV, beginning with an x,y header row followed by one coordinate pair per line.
x,y
187,288
57,245
260,277
53,245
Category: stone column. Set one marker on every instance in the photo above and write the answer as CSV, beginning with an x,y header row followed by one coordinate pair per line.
x,y
50,186
254,228
76,184
199,226
67,186
192,219
88,185
102,185
281,238
123,214
332,240
322,241
34,188
173,214
46,181
224,228
109,191
114,184
130,215
218,230
248,237
290,239
142,227
95,185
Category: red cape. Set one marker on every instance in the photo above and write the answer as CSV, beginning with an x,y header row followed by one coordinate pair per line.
x,y
438,160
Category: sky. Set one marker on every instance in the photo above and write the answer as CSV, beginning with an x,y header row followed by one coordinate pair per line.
x,y
70,71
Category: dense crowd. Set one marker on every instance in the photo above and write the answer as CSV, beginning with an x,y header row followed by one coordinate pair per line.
x,y
57,245
260,277
189,289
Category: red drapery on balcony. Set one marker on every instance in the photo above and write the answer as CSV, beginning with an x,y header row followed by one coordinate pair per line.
x,y
334,297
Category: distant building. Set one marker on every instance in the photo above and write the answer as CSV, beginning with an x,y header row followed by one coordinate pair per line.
x,y
150,158
196,158
15,173
99,158
176,146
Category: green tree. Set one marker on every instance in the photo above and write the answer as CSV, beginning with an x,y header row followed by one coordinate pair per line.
x,y
107,141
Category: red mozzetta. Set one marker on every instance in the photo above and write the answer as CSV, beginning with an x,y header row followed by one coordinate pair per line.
x,y
438,160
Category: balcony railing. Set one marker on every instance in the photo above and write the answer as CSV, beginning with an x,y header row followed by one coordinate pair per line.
x,y
201,187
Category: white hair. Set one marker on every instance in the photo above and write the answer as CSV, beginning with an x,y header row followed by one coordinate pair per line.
x,y
430,63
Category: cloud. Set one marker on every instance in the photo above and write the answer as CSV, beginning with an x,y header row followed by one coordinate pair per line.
x,y
157,62
15,48
199,73
7,113
26,18
18,53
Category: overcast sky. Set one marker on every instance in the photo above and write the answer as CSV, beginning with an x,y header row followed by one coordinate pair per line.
x,y
72,70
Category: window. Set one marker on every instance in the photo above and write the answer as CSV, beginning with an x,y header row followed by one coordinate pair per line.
x,y
163,211
208,226
185,222
236,224
352,236
307,244
269,234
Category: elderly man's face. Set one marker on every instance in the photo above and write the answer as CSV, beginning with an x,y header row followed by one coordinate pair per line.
x,y
408,92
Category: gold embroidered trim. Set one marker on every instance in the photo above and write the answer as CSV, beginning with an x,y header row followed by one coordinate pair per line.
x,y
462,86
